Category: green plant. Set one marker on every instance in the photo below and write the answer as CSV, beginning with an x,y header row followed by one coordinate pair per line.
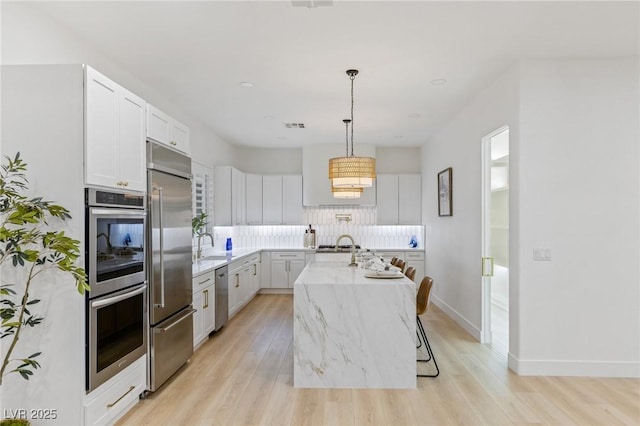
x,y
198,222
28,242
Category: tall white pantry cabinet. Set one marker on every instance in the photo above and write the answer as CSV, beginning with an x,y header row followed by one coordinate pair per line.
x,y
43,113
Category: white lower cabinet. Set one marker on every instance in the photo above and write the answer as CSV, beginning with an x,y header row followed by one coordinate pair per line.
x,y
285,268
244,282
265,269
204,293
416,259
114,398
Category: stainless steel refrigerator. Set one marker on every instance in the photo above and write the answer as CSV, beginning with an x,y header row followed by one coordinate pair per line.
x,y
170,288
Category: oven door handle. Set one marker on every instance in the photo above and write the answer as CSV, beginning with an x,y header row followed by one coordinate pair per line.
x,y
161,231
117,212
118,298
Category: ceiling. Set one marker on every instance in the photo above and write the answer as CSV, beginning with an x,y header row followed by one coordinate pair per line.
x,y
197,53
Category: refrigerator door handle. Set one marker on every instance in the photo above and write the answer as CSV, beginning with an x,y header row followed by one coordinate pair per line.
x,y
161,229
188,313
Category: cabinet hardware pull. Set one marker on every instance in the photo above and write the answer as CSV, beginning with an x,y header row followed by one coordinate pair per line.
x,y
255,270
237,280
118,400
206,299
202,282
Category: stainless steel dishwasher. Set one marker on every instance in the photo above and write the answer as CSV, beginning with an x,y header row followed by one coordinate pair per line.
x,y
222,296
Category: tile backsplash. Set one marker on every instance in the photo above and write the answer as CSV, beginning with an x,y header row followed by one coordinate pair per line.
x,y
362,228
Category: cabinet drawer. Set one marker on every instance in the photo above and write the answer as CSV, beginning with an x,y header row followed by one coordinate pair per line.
x,y
284,255
107,403
203,280
414,255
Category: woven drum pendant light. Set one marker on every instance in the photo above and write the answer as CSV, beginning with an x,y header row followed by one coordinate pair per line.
x,y
352,171
346,193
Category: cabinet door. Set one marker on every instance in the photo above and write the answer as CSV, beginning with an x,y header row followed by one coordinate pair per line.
x,y
265,269
101,130
222,204
254,199
272,200
234,292
198,327
409,199
238,197
158,125
387,207
280,273
131,142
295,268
256,278
179,136
292,213
209,311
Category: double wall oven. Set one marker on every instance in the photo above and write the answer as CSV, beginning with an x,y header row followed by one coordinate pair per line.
x,y
116,306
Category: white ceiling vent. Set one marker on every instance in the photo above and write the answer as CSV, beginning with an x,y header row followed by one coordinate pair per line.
x,y
294,125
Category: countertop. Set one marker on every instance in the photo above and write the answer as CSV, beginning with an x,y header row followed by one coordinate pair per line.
x,y
339,274
205,265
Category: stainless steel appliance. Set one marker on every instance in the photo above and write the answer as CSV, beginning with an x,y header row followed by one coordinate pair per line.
x,y
169,237
116,306
222,296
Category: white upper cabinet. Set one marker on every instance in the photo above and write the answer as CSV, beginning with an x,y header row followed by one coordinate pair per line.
x,y
229,196
292,211
254,199
399,200
272,200
114,134
282,200
167,130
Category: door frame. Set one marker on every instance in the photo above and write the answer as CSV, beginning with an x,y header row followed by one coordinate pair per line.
x,y
486,335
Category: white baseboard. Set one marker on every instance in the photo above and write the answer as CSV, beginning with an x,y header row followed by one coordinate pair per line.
x,y
458,318
574,368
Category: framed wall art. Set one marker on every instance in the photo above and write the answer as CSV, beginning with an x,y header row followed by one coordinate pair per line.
x,y
445,196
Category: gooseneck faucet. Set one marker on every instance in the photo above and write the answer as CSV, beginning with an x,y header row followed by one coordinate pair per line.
x,y
353,248
199,252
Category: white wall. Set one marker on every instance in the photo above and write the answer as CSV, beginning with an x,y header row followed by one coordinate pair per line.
x,y
453,243
42,117
264,161
575,188
398,160
579,197
29,37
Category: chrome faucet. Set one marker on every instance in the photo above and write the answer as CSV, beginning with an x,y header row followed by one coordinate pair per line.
x,y
353,248
199,252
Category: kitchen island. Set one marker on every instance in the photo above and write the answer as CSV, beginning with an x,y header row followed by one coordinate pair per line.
x,y
351,331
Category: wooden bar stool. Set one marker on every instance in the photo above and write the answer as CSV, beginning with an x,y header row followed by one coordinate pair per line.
x,y
410,273
422,303
401,264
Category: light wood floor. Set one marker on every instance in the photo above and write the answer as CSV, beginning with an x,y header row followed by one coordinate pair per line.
x,y
243,375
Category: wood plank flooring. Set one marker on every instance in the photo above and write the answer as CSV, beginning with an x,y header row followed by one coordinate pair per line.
x,y
243,375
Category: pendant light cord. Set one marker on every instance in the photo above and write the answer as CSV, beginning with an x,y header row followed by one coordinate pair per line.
x,y
352,77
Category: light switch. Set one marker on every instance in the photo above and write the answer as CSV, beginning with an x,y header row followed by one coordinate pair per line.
x,y
541,254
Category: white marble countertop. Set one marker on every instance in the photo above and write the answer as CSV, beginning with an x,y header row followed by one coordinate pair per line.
x,y
339,273
205,265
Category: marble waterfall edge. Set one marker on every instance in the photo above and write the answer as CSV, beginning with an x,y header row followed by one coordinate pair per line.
x,y
353,332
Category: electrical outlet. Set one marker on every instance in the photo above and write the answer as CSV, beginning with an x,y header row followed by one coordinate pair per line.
x,y
542,254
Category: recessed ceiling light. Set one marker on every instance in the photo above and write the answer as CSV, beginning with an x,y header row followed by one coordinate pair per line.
x,y
269,117
245,84
438,81
414,115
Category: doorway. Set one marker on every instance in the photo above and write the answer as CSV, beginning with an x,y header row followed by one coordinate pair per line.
x,y
495,240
